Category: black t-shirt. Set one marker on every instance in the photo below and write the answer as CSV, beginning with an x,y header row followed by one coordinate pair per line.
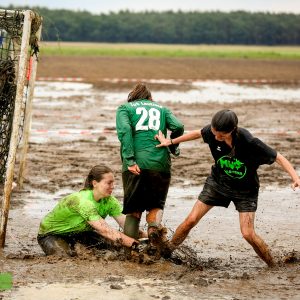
x,y
236,168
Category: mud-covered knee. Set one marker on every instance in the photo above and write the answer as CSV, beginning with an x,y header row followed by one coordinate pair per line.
x,y
248,235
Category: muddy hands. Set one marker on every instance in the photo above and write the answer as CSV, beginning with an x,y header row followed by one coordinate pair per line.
x,y
152,249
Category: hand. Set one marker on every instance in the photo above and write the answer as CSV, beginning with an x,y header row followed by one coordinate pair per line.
x,y
135,169
163,141
296,184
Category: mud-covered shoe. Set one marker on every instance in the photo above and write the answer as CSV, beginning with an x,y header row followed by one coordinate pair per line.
x,y
153,249
153,234
157,238
157,235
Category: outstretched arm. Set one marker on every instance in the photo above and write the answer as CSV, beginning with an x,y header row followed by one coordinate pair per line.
x,y
164,142
110,233
286,165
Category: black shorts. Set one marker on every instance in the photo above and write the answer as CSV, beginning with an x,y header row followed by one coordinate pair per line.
x,y
145,191
211,195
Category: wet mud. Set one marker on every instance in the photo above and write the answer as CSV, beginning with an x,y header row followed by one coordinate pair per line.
x,y
73,128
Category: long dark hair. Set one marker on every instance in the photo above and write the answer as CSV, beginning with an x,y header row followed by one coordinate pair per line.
x,y
225,121
96,173
140,91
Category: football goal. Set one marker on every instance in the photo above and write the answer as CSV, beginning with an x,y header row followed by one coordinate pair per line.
x,y
20,33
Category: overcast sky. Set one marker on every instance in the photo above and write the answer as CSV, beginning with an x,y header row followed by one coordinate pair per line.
x,y
100,6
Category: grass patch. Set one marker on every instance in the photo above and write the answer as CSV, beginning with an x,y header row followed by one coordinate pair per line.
x,y
159,50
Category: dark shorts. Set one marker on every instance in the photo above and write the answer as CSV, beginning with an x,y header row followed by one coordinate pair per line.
x,y
211,195
145,191
63,245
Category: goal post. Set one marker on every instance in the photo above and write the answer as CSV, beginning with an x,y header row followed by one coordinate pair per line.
x,y
31,76
17,38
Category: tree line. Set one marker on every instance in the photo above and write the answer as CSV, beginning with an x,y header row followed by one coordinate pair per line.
x,y
169,27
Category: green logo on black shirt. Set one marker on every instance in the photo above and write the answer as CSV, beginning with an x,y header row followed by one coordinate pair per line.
x,y
232,167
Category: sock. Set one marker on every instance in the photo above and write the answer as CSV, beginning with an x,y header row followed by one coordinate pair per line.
x,y
131,227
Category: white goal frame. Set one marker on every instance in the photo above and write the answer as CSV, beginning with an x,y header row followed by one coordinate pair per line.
x,y
21,70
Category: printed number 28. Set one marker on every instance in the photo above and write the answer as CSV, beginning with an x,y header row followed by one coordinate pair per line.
x,y
153,116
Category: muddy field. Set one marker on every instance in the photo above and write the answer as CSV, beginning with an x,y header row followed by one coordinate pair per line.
x,y
73,128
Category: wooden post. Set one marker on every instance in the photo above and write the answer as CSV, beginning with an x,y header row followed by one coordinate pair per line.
x,y
27,121
15,126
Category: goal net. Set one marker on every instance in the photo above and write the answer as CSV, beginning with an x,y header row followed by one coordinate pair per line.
x,y
19,36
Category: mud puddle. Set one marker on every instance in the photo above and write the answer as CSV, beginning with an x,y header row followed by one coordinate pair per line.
x,y
218,91
71,103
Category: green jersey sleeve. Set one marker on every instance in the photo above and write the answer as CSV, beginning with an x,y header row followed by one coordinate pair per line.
x,y
176,128
173,124
124,132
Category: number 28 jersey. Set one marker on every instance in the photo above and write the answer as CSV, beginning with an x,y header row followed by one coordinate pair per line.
x,y
137,124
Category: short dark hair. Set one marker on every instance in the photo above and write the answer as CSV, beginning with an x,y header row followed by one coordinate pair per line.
x,y
224,121
96,173
140,91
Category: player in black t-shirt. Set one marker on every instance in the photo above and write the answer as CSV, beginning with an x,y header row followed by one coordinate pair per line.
x,y
233,177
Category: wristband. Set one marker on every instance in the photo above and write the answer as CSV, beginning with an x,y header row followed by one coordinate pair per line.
x,y
171,142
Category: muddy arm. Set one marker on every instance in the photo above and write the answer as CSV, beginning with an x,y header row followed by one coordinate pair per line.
x,y
110,233
286,165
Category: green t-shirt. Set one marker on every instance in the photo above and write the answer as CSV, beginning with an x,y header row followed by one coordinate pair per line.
x,y
137,123
72,213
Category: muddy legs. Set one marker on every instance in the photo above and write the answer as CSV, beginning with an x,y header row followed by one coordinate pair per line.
x,y
156,232
182,231
154,218
259,246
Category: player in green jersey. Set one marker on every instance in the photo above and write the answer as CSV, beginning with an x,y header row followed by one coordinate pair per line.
x,y
79,217
145,169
